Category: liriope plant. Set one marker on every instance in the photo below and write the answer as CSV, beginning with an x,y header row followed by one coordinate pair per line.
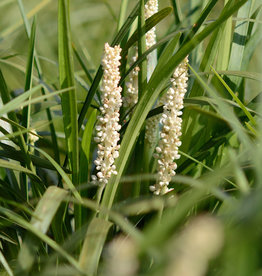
x,y
75,186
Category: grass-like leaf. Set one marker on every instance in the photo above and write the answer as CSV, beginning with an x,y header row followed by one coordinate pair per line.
x,y
66,74
41,220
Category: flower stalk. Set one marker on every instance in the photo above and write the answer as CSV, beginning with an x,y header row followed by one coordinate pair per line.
x,y
107,129
167,149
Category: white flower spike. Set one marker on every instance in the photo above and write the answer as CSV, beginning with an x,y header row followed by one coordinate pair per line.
x,y
167,150
151,7
107,135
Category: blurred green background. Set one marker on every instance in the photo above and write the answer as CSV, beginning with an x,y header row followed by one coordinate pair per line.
x,y
92,22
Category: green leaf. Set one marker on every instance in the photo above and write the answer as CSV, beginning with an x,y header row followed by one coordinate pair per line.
x,y
197,25
85,164
234,96
224,44
30,59
39,71
12,116
41,220
29,78
250,47
122,14
5,264
149,24
142,74
16,167
66,76
12,153
20,100
12,105
82,63
239,42
62,173
15,218
93,245
85,147
225,111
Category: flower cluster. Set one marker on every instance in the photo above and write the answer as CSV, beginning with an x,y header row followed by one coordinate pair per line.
x,y
108,127
151,7
131,97
167,150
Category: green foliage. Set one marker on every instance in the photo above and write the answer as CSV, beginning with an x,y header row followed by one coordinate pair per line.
x,y
54,219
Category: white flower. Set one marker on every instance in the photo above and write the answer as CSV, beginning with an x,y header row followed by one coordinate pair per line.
x,y
151,7
32,136
108,127
131,97
167,150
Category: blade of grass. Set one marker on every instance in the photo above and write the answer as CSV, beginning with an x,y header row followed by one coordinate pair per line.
x,y
12,116
5,264
15,218
11,153
250,47
227,112
208,8
66,73
82,63
93,245
19,101
26,113
238,43
191,125
39,71
41,220
241,179
156,233
85,147
64,176
12,105
234,96
68,100
142,74
225,45
16,167
251,129
122,14
177,11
